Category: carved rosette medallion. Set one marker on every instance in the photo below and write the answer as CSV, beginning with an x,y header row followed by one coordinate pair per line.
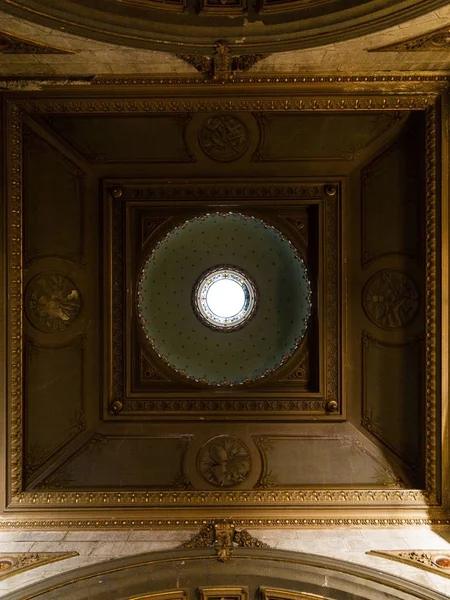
x,y
224,461
53,302
223,137
391,299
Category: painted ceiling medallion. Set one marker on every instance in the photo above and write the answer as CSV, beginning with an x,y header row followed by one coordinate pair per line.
x,y
224,461
273,299
224,298
391,299
53,302
223,137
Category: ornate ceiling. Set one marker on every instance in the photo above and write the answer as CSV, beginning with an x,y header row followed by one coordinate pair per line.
x,y
195,26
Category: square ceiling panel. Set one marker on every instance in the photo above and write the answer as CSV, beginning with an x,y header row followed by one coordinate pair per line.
x,y
317,398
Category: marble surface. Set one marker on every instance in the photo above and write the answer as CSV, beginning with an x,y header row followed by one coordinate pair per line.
x,y
344,544
95,58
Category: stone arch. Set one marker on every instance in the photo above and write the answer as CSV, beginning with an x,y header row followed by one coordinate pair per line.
x,y
249,574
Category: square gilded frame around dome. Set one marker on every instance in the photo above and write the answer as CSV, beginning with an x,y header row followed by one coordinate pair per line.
x,y
308,215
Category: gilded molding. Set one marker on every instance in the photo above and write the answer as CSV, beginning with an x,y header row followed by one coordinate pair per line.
x,y
431,330
333,278
264,523
275,79
271,500
332,103
15,294
304,498
146,190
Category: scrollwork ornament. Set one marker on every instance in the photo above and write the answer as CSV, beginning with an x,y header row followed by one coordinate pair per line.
x,y
223,535
53,302
224,461
391,299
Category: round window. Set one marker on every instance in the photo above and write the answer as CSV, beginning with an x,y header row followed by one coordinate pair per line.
x,y
224,298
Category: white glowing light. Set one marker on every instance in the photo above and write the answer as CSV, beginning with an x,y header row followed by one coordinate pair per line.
x,y
225,298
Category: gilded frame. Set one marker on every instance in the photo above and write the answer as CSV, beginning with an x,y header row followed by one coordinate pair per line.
x,y
294,196
289,508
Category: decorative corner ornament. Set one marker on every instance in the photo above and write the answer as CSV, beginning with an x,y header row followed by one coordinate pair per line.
x,y
12,563
433,41
222,64
434,561
223,536
11,44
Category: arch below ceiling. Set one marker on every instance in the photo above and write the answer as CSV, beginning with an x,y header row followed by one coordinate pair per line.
x,y
258,573
269,26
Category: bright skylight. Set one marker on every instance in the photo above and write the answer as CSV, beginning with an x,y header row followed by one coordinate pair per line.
x,y
225,298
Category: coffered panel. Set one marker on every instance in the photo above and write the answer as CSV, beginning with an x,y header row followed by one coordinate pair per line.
x,y
110,419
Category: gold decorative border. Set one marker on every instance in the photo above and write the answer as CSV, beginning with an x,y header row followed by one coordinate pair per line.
x,y
15,295
168,498
296,500
181,523
326,196
431,328
295,103
425,77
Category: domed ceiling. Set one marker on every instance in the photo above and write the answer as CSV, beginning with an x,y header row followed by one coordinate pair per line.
x,y
213,353
195,26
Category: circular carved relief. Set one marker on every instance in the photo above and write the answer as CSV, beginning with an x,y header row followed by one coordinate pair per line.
x,y
53,302
224,461
443,562
223,137
5,564
391,299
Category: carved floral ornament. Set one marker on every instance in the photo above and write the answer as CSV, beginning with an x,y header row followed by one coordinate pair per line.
x,y
224,461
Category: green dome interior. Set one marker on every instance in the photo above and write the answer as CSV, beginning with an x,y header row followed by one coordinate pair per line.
x,y
200,353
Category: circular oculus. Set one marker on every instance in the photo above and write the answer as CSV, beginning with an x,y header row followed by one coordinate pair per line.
x,y
225,298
